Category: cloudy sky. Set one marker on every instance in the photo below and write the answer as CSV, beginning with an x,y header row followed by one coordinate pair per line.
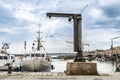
x,y
20,19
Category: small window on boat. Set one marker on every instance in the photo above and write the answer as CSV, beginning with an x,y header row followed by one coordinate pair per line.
x,y
12,57
1,57
5,57
37,55
32,55
42,55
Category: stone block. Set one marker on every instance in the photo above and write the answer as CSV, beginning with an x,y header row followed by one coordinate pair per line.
x,y
81,68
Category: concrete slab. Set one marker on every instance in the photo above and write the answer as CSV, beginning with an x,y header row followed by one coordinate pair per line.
x,y
59,76
81,68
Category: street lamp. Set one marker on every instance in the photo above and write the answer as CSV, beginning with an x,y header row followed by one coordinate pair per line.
x,y
112,42
112,49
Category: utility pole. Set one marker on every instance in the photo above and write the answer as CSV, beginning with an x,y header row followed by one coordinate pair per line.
x,y
112,42
112,51
77,19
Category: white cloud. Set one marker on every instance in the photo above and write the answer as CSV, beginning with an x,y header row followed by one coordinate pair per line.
x,y
34,14
25,12
25,15
118,18
95,13
58,45
21,10
7,30
13,5
5,5
108,2
100,38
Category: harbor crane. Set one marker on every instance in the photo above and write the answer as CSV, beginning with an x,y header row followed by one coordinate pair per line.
x,y
77,21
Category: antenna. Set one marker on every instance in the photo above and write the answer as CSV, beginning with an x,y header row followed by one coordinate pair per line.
x,y
25,43
83,8
39,32
47,36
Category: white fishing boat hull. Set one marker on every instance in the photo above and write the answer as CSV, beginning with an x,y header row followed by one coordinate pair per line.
x,y
3,68
38,64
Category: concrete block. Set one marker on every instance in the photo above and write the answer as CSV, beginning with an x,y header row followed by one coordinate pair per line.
x,y
81,68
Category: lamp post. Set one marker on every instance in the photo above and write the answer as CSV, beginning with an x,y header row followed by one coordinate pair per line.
x,y
112,42
112,50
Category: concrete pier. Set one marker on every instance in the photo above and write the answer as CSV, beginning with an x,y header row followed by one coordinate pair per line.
x,y
81,68
56,76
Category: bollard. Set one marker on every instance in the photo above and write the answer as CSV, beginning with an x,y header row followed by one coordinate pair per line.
x,y
52,67
9,68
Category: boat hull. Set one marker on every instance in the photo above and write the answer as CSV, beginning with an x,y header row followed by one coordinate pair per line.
x,y
3,68
36,64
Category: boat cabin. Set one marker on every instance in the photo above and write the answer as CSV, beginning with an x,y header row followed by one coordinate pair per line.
x,y
4,57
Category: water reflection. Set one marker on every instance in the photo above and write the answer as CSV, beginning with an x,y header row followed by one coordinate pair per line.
x,y
102,66
60,65
105,66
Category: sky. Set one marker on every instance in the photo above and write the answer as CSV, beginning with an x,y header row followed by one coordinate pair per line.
x,y
20,20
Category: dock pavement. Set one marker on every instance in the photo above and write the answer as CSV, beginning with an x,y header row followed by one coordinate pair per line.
x,y
56,76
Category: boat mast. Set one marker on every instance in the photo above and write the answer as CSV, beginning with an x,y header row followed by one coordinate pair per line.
x,y
25,43
39,40
39,45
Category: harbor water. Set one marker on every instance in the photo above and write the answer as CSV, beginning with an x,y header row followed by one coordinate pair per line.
x,y
106,68
60,65
102,66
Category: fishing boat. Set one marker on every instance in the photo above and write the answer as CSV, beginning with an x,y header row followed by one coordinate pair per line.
x,y
5,57
38,59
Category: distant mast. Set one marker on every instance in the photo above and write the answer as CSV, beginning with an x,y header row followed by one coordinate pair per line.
x,y
39,40
5,47
25,43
